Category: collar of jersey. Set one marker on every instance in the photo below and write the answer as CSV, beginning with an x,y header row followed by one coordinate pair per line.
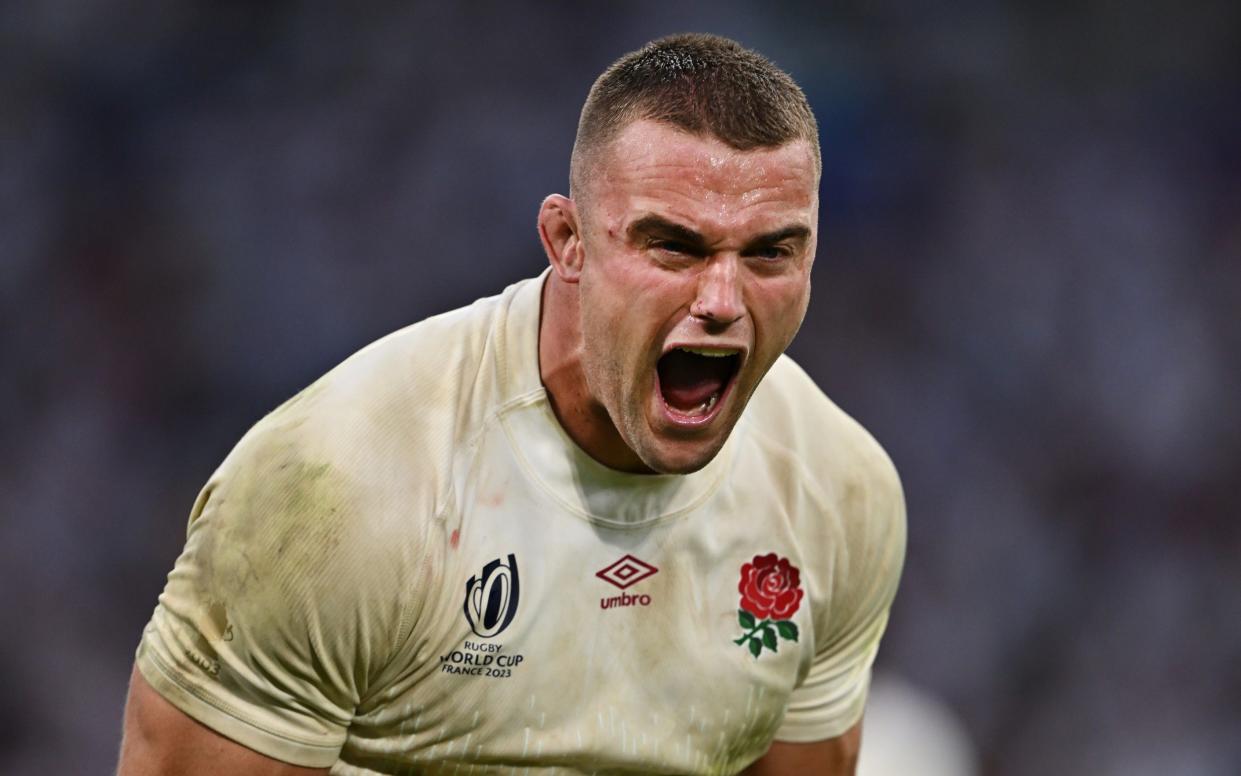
x,y
554,461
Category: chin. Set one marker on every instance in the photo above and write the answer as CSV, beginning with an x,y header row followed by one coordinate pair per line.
x,y
681,458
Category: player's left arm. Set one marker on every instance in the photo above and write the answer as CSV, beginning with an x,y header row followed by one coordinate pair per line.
x,y
832,757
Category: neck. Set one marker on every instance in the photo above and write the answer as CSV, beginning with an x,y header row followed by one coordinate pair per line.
x,y
583,417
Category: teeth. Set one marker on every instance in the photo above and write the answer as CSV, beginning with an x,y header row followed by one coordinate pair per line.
x,y
710,352
705,407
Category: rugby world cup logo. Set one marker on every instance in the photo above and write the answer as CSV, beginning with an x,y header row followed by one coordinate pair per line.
x,y
491,597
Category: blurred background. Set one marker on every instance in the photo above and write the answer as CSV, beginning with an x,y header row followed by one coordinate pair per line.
x,y
1027,288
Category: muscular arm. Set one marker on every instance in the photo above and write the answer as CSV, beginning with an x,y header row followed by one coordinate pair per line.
x,y
833,757
160,739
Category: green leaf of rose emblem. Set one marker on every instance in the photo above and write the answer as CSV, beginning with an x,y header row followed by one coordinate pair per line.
x,y
769,638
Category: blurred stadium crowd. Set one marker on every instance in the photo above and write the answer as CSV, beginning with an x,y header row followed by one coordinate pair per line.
x,y
1027,287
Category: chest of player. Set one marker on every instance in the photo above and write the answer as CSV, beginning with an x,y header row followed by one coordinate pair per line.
x,y
564,642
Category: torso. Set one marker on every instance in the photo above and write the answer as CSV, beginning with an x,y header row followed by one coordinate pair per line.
x,y
640,674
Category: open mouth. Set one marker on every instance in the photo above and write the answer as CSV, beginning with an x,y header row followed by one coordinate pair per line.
x,y
692,380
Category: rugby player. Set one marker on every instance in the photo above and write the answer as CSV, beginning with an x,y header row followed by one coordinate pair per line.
x,y
598,523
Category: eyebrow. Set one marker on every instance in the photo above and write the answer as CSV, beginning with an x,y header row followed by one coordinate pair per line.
x,y
798,233
661,227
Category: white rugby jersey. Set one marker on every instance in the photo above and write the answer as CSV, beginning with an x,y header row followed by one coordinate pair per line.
x,y
410,568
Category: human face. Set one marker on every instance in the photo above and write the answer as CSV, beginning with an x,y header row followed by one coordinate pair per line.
x,y
695,278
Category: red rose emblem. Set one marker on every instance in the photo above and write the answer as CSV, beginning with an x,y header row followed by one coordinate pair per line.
x,y
770,587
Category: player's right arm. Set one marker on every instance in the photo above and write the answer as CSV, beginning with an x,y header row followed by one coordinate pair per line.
x,y
161,740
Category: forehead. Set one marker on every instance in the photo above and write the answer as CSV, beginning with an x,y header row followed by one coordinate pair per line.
x,y
702,181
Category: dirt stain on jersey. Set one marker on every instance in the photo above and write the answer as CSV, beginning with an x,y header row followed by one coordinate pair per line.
x,y
222,629
305,518
272,519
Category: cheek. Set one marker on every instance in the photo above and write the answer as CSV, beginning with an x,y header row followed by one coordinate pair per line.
x,y
778,306
608,283
603,294
638,300
613,336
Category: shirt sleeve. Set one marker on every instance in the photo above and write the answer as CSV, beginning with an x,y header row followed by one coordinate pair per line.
x,y
280,610
831,698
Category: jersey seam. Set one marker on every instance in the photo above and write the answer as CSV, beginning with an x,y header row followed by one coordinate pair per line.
x,y
786,453
447,498
226,708
408,635
530,397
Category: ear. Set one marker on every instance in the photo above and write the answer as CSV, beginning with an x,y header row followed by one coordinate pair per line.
x,y
561,233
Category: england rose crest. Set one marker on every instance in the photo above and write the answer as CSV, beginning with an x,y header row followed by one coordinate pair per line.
x,y
771,591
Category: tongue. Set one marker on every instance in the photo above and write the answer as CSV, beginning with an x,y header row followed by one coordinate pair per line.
x,y
688,380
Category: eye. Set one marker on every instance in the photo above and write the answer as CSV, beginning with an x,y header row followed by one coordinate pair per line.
x,y
771,252
671,246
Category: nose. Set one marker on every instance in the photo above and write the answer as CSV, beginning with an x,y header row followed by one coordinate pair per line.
x,y
719,299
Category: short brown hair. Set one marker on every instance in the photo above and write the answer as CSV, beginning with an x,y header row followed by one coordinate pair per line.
x,y
703,84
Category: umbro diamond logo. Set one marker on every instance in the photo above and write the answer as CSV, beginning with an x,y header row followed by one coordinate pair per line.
x,y
626,571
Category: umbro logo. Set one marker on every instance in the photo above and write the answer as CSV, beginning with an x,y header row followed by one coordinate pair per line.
x,y
624,573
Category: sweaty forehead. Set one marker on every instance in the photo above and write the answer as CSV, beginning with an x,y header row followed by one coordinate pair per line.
x,y
652,166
